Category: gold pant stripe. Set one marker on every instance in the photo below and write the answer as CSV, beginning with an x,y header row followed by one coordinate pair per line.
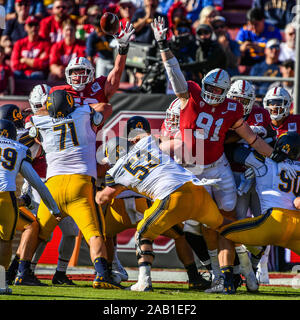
x,y
246,224
155,215
15,205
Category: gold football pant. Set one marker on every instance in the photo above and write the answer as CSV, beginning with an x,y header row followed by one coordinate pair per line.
x,y
279,227
118,220
187,202
75,197
26,217
8,215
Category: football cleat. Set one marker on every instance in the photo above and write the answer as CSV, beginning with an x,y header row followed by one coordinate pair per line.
x,y
119,270
200,283
5,290
11,275
28,278
60,278
229,287
217,286
142,286
101,282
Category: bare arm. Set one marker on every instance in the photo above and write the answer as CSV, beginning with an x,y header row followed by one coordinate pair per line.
x,y
113,79
244,131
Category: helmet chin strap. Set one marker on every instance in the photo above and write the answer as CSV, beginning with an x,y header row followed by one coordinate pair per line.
x,y
78,87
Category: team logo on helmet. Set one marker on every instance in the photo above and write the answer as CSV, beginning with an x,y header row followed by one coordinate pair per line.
x,y
286,148
17,115
4,133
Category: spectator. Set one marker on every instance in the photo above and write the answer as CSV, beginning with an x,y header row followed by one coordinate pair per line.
x,y
63,51
288,48
267,68
229,46
30,56
37,8
277,13
51,27
15,29
176,13
7,84
126,11
85,24
209,54
98,50
207,14
287,69
142,20
253,37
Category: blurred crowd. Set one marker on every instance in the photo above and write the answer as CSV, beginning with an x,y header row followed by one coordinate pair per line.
x,y
42,36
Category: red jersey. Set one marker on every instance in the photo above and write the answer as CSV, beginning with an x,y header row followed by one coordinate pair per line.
x,y
207,123
38,50
290,123
92,93
259,117
50,29
61,53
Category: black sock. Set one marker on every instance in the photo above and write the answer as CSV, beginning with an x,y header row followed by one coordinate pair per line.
x,y
192,272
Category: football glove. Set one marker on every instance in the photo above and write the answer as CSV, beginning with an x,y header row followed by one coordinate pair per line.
x,y
123,37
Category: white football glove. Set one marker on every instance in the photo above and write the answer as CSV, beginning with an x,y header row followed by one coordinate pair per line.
x,y
124,36
288,167
159,30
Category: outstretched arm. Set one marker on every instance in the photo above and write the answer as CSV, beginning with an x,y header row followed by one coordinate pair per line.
x,y
113,79
171,64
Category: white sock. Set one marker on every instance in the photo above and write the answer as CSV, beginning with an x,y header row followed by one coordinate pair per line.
x,y
213,254
245,263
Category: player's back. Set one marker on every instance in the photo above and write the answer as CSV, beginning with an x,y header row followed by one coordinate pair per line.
x,y
69,143
11,157
149,171
276,189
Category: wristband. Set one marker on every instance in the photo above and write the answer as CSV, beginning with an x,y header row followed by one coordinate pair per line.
x,y
123,50
163,45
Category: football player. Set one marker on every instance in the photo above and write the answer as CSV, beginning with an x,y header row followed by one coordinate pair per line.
x,y
37,100
259,121
176,193
15,158
278,102
69,142
84,88
206,116
277,188
128,208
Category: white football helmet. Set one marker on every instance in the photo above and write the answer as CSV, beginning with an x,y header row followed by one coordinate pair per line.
x,y
173,115
38,96
243,91
218,78
277,99
77,64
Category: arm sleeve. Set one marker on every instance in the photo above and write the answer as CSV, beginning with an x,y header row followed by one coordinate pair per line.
x,y
30,174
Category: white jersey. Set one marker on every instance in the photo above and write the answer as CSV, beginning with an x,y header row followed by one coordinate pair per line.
x,y
275,189
147,170
69,143
11,157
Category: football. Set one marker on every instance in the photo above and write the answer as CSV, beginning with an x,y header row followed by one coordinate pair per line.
x,y
109,23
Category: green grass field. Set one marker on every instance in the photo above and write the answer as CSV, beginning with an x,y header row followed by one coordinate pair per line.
x,y
162,291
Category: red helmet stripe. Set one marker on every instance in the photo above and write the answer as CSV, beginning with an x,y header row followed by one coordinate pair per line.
x,y
275,90
44,91
218,75
243,87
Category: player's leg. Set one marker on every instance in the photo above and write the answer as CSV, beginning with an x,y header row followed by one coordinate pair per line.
x,y
65,250
81,206
186,256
